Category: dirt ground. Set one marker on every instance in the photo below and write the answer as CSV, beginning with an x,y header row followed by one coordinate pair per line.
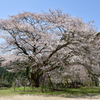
x,y
34,97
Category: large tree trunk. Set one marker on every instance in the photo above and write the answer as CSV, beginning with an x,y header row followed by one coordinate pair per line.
x,y
35,78
36,73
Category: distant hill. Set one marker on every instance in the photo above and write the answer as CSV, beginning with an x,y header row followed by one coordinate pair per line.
x,y
2,71
6,77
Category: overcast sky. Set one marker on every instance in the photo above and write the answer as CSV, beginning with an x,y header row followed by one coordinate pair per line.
x,y
86,9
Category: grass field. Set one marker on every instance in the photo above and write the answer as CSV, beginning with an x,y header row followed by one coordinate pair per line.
x,y
80,92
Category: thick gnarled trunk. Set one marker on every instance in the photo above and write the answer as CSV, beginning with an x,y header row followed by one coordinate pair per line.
x,y
35,78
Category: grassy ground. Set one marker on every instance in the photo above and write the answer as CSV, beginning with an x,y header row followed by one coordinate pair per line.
x,y
37,91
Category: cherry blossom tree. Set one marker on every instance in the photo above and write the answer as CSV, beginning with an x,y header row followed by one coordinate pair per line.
x,y
48,40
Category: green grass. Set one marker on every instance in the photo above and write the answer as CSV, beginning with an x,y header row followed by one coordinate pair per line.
x,y
37,91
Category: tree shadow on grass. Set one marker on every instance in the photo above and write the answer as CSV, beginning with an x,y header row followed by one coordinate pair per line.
x,y
72,93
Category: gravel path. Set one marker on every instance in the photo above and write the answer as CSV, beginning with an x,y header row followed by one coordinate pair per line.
x,y
33,97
